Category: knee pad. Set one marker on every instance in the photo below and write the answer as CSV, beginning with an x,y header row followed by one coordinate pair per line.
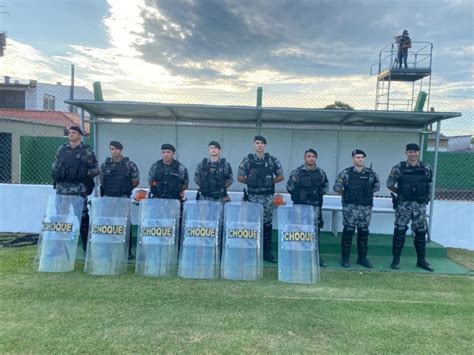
x,y
363,230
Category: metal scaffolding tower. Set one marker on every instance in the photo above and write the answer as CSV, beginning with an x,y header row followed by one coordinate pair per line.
x,y
392,91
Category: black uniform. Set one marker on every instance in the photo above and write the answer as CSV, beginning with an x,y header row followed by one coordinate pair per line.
x,y
73,173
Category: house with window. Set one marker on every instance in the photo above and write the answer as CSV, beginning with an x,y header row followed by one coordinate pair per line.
x,y
39,96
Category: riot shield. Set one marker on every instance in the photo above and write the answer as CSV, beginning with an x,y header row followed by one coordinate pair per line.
x,y
199,256
242,256
107,247
57,244
298,259
158,231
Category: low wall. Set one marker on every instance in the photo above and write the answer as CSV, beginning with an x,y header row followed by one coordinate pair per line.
x,y
23,206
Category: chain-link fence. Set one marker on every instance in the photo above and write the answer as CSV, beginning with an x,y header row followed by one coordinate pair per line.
x,y
28,144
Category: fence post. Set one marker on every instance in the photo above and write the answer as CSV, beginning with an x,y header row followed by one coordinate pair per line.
x,y
433,184
259,109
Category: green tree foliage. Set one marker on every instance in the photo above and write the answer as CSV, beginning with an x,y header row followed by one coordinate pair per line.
x,y
339,105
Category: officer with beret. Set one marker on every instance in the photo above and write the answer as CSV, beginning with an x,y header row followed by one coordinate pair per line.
x,y
260,172
118,174
307,185
411,181
73,172
213,175
118,177
168,178
357,185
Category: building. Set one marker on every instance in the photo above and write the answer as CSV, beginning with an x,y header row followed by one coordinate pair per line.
x,y
450,143
39,96
28,141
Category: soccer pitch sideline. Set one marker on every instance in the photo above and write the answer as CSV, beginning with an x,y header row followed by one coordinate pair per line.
x,y
349,312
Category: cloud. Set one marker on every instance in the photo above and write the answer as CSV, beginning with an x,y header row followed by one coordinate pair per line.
x,y
158,49
22,61
303,38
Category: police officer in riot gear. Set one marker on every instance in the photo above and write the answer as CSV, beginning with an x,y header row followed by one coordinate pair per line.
x,y
411,180
260,172
118,177
357,185
213,175
73,172
168,178
307,185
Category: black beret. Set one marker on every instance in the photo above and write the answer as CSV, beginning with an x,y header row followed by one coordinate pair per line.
x,y
358,151
168,146
261,139
311,150
77,129
116,144
413,146
215,144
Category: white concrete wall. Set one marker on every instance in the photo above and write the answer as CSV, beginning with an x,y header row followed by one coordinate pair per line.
x,y
23,207
142,145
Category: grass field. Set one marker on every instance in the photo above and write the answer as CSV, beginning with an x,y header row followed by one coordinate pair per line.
x,y
349,312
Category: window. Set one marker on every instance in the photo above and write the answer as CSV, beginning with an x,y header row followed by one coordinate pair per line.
x,y
48,102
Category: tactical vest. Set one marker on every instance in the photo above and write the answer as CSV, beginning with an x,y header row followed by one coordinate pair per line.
x,y
212,179
72,167
309,188
358,189
117,179
168,183
413,184
260,176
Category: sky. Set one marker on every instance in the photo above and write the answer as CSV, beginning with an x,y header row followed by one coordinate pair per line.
x,y
232,46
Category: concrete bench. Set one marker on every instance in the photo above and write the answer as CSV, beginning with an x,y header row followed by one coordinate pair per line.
x,y
331,204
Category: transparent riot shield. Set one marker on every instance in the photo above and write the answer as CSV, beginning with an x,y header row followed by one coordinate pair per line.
x,y
242,255
199,256
57,245
158,231
298,259
107,247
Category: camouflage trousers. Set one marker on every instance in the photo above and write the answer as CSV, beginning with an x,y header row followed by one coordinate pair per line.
x,y
83,213
267,202
68,188
207,198
411,210
221,200
356,216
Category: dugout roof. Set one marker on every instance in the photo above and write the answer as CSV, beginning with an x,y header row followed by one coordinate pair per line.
x,y
274,116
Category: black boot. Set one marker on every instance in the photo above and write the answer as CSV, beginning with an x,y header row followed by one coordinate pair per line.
x,y
363,247
420,246
267,244
130,255
84,229
397,246
322,262
346,244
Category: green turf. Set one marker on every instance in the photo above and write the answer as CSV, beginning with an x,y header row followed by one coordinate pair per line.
x,y
349,312
380,253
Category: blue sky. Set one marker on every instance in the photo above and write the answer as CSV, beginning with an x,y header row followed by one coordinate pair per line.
x,y
50,25
231,46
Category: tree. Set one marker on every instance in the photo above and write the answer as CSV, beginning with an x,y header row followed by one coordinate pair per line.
x,y
339,105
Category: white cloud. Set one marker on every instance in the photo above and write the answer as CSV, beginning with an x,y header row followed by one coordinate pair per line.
x,y
125,75
22,62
